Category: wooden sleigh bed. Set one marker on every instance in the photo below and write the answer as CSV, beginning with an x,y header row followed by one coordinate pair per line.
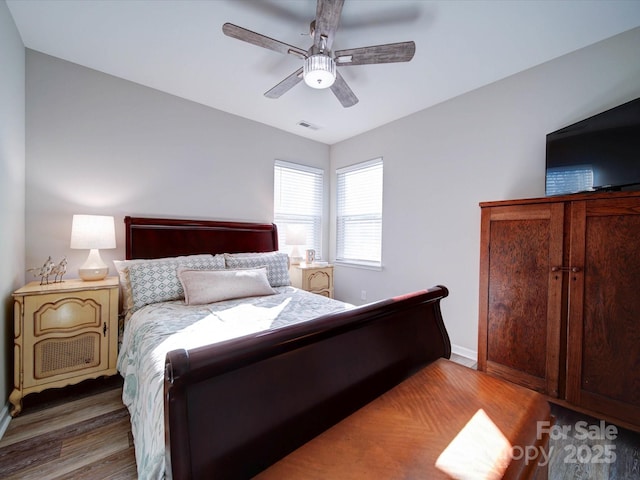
x,y
234,408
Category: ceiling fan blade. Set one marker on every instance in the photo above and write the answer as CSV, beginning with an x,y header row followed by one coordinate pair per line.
x,y
326,23
275,9
389,53
234,31
342,91
285,85
396,14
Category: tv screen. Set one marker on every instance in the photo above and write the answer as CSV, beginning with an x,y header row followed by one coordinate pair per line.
x,y
599,153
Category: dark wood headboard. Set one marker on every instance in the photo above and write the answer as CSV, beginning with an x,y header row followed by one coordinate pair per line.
x,y
164,237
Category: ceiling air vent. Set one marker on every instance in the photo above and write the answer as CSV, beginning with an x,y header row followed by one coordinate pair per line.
x,y
309,125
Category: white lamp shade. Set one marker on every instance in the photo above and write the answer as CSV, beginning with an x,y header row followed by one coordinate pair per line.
x,y
93,232
295,235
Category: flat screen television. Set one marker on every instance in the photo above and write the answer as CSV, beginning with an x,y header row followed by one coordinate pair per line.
x,y
600,153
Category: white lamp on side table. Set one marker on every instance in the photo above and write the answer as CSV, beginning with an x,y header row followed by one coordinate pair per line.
x,y
93,232
295,237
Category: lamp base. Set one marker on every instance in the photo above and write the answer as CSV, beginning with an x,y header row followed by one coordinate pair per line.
x,y
295,260
92,274
94,268
294,257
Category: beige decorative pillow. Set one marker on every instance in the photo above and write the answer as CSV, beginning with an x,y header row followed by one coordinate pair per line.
x,y
209,286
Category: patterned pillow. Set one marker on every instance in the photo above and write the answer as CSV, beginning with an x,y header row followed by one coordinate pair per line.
x,y
277,264
122,267
155,281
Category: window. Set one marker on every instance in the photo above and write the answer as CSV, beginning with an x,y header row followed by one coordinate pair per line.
x,y
359,214
298,205
569,179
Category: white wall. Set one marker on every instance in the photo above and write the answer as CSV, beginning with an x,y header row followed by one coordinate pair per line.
x,y
12,187
486,145
103,145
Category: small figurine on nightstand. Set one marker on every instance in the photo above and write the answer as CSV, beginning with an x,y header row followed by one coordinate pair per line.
x,y
44,271
59,270
48,269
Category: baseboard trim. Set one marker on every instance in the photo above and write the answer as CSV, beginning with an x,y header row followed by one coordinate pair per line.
x,y
5,418
465,352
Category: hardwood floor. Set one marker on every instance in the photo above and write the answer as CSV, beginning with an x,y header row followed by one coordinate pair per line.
x,y
79,432
83,432
583,448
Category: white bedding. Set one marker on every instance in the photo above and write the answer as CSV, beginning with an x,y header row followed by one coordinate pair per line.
x,y
158,328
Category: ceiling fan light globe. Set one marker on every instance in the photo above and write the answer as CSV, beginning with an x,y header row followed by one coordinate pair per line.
x,y
319,71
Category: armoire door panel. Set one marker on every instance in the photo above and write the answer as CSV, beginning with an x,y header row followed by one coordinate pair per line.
x,y
604,333
522,343
518,295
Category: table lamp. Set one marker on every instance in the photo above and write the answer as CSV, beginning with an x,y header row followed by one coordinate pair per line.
x,y
295,237
93,232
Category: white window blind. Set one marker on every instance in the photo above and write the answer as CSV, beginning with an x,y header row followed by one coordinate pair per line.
x,y
298,205
359,214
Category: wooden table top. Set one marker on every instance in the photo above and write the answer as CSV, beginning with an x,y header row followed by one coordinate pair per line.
x,y
482,422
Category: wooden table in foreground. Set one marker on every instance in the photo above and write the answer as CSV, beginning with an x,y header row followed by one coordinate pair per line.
x,y
446,421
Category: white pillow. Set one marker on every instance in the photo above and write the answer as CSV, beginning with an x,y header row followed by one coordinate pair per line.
x,y
209,286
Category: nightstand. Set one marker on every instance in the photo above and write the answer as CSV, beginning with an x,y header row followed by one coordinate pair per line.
x,y
63,333
313,278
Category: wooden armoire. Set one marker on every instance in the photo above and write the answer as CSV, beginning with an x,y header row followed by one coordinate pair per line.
x,y
560,298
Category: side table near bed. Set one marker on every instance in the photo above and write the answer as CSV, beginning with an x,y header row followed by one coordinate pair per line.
x,y
313,278
63,333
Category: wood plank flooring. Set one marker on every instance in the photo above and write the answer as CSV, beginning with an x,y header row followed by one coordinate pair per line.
x,y
83,432
87,437
583,448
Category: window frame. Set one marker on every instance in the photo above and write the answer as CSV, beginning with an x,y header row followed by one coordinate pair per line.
x,y
569,179
346,259
312,224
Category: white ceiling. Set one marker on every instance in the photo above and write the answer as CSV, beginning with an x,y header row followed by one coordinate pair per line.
x,y
177,46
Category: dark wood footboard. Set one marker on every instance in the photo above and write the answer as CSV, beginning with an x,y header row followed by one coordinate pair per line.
x,y
234,408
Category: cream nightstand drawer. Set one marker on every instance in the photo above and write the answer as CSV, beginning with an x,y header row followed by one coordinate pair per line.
x,y
52,313
63,333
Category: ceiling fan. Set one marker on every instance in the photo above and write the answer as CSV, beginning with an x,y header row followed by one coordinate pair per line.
x,y
319,69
